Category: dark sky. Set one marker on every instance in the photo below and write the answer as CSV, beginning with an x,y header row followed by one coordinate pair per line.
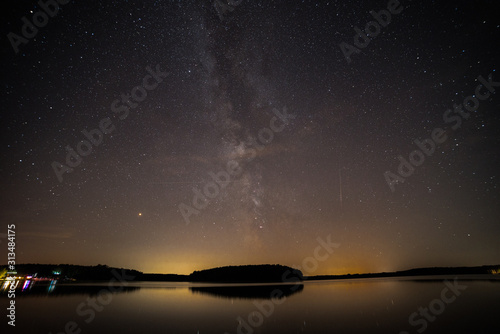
x,y
222,76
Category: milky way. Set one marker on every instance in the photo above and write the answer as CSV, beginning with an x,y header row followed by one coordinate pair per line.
x,y
258,134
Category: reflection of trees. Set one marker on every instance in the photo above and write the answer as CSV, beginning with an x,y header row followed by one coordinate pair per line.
x,y
48,288
250,291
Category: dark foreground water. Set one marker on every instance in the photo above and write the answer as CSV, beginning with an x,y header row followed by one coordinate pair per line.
x,y
413,305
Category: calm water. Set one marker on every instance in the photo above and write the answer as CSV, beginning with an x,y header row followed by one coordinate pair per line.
x,y
347,306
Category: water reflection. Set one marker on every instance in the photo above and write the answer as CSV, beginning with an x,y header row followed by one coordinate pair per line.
x,y
9,285
30,287
373,306
250,291
27,285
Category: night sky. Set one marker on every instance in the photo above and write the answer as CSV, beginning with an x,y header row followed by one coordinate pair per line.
x,y
261,90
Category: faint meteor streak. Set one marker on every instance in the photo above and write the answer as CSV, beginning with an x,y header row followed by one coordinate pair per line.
x,y
340,177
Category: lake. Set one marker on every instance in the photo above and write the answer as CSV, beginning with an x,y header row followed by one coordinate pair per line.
x,y
396,305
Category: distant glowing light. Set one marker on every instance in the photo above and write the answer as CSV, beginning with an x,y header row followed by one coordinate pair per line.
x,y
140,214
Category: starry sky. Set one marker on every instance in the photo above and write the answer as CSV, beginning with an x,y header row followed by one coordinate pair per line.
x,y
261,89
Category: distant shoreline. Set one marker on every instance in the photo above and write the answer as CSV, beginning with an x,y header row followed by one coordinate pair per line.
x,y
232,274
431,271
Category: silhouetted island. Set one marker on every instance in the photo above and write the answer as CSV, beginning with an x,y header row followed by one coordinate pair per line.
x,y
265,273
